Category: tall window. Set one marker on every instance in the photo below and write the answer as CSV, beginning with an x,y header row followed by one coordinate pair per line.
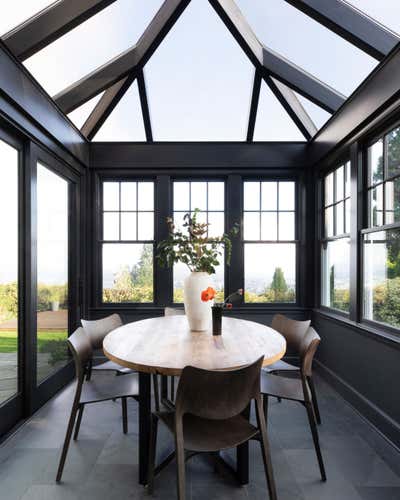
x,y
269,232
381,237
336,240
52,271
209,198
128,241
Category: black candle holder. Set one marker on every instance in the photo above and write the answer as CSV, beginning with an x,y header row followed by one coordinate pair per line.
x,y
216,320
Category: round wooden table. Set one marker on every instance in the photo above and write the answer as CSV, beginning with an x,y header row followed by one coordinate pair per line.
x,y
165,345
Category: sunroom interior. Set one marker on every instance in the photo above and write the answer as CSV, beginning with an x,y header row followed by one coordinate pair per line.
x,y
278,118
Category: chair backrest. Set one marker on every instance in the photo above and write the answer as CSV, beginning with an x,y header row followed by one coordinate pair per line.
x,y
99,328
81,349
308,349
294,331
173,311
217,395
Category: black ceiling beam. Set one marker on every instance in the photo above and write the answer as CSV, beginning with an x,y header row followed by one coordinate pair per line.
x,y
49,24
351,24
132,59
255,96
273,64
105,106
145,106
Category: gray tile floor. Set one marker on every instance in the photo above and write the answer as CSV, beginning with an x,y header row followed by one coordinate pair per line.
x,y
103,463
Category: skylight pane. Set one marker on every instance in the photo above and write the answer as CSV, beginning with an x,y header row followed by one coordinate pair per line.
x,y
92,43
318,115
273,123
126,122
310,45
81,114
18,11
386,12
199,81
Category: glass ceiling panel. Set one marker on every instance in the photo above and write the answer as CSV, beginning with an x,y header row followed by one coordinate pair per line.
x,y
386,12
126,121
80,115
272,122
318,115
92,43
199,81
310,45
18,11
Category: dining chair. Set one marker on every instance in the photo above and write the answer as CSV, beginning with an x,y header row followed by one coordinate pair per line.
x,y
294,333
97,330
297,389
93,391
210,416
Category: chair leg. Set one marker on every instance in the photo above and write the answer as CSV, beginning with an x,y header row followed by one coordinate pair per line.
x,y
265,406
172,388
124,415
78,422
314,399
266,454
314,432
152,453
180,467
156,392
89,370
67,440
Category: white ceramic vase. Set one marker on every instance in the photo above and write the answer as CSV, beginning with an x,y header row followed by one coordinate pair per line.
x,y
198,312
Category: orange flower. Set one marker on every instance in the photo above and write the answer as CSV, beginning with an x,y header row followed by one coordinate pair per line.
x,y
208,294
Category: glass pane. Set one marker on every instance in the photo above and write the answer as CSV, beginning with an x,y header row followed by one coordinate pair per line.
x,y
393,151
329,222
311,46
81,114
125,122
128,195
339,218
318,115
181,196
198,195
329,189
347,180
199,87
382,277
347,216
52,272
251,196
272,121
375,163
111,226
127,272
339,184
269,226
336,274
375,201
269,193
145,225
270,272
216,221
392,201
91,44
386,13
111,196
251,226
145,195
216,196
286,196
8,272
128,226
19,11
178,220
286,226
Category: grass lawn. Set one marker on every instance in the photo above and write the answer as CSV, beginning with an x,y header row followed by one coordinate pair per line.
x,y
8,339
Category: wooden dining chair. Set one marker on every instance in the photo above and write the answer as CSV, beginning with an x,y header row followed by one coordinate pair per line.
x,y
297,389
294,332
97,330
93,391
209,416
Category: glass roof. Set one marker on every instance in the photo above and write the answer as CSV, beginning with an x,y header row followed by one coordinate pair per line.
x,y
199,81
386,12
92,43
318,115
80,115
19,11
310,45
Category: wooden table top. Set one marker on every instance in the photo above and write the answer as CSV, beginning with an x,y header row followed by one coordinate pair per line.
x,y
166,345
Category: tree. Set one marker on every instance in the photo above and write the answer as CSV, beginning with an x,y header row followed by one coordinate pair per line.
x,y
142,273
332,286
279,286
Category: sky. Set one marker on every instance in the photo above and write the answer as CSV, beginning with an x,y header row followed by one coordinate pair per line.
x,y
199,80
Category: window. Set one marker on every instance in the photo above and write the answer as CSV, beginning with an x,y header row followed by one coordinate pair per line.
x,y
209,198
336,240
269,231
128,241
381,249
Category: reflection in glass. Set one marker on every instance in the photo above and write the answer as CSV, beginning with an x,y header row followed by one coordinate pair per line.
x,y
270,272
8,272
127,272
375,202
393,152
52,272
335,274
382,277
375,163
